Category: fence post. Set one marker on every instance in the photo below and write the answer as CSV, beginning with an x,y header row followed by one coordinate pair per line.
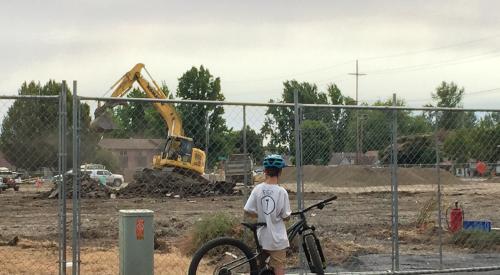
x,y
207,137
394,188
298,150
440,223
298,169
62,183
76,179
78,155
245,177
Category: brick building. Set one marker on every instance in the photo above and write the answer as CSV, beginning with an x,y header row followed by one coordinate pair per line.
x,y
132,153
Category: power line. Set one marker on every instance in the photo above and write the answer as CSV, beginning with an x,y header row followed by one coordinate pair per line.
x,y
292,75
494,90
483,92
432,49
326,68
448,62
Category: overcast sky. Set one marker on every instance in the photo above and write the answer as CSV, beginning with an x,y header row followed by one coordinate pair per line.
x,y
407,47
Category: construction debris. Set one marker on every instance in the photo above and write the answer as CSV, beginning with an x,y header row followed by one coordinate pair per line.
x,y
90,188
173,185
12,242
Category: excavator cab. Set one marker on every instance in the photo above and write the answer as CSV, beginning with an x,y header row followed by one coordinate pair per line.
x,y
178,148
180,154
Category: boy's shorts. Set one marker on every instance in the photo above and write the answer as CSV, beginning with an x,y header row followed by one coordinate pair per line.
x,y
277,258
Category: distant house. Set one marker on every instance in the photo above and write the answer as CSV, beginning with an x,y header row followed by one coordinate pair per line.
x,y
4,162
132,153
349,158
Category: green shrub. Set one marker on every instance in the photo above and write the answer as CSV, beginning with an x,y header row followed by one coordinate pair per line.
x,y
213,226
477,240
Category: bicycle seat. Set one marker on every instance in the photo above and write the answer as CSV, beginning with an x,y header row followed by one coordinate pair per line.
x,y
253,226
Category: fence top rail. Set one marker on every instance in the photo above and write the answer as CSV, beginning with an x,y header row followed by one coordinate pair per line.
x,y
29,97
275,104
189,101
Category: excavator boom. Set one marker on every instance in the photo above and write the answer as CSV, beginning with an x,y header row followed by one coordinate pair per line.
x,y
180,167
172,119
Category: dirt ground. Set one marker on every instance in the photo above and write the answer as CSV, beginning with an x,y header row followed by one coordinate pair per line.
x,y
356,225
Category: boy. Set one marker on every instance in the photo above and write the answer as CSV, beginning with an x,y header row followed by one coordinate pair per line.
x,y
269,203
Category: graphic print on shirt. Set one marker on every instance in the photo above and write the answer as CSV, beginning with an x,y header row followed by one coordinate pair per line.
x,y
267,202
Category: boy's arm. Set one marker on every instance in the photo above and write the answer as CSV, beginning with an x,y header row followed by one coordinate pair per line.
x,y
251,206
286,211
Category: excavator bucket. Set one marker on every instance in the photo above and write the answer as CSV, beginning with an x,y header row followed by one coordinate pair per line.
x,y
103,123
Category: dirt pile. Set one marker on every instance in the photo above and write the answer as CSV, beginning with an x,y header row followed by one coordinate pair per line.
x,y
494,180
361,176
90,188
157,185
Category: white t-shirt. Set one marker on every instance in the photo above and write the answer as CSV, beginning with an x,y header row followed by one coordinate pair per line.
x,y
270,203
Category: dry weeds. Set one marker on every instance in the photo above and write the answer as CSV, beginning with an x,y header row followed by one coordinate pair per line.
x,y
31,257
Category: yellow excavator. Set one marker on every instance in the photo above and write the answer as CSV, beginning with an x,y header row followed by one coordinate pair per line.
x,y
180,167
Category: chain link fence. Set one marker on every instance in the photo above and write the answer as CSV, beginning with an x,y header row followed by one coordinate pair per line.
x,y
29,145
397,173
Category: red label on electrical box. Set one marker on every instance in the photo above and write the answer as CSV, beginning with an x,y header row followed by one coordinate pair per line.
x,y
139,229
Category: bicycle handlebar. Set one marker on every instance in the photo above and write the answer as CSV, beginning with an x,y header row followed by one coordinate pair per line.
x,y
319,205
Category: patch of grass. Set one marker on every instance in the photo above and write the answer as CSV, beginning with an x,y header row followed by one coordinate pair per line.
x,y
40,260
425,213
210,227
344,253
477,240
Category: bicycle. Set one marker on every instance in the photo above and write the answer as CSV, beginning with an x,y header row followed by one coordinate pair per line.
x,y
242,260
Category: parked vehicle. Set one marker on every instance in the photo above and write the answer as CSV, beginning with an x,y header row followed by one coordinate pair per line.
x,y
8,179
237,166
106,177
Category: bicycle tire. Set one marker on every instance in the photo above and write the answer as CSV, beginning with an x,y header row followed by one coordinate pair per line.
x,y
314,254
223,241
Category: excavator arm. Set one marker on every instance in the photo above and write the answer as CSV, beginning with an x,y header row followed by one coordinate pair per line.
x,y
180,166
124,84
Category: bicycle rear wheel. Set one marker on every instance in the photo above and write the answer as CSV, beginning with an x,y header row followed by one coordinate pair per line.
x,y
314,254
223,256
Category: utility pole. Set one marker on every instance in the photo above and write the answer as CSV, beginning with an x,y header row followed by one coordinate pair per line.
x,y
358,143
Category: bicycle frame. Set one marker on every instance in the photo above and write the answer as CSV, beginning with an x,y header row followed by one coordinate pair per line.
x,y
303,229
298,228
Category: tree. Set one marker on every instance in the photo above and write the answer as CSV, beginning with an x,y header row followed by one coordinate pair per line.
x,y
450,96
317,150
199,84
376,126
478,143
412,149
279,124
29,137
341,117
255,143
138,119
414,139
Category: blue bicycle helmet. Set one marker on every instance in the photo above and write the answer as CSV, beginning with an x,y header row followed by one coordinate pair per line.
x,y
274,161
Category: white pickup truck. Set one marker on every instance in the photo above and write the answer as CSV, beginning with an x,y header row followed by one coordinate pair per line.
x,y
105,177
102,175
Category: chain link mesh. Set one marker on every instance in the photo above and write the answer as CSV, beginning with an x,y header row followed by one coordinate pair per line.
x,y
28,162
443,157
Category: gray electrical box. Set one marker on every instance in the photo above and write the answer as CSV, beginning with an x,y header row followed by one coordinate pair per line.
x,y
136,235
